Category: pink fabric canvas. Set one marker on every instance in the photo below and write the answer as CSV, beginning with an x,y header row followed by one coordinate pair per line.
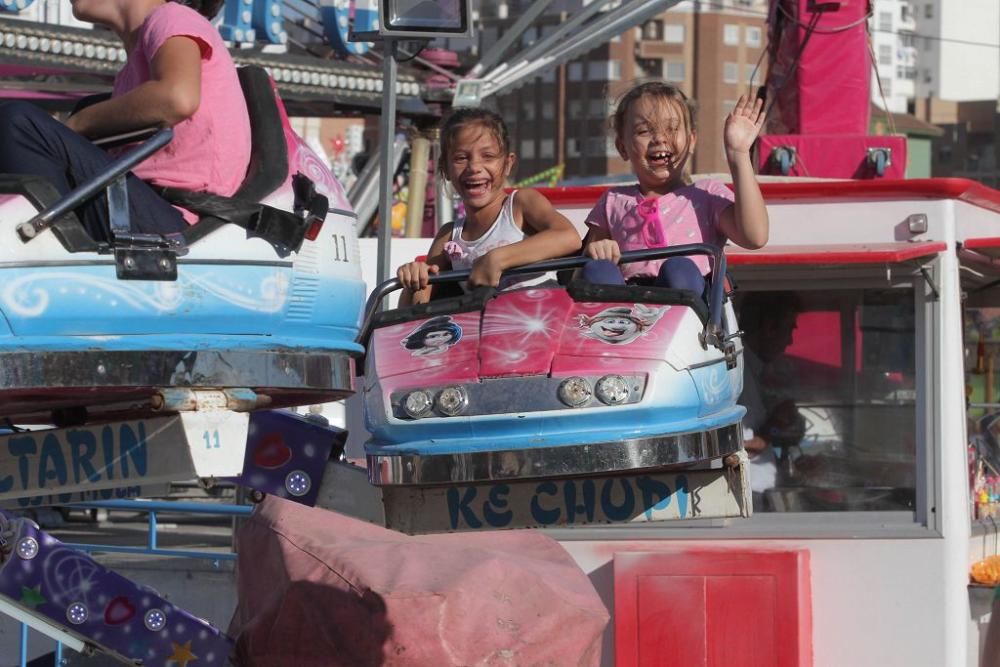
x,y
689,214
211,150
319,589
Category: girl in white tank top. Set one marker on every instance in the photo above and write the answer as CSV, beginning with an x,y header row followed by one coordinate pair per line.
x,y
504,231
476,160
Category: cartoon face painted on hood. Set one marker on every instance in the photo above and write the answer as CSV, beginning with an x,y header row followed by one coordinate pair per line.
x,y
434,336
620,325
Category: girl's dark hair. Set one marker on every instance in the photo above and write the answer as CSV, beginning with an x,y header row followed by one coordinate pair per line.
x,y
464,116
657,89
207,8
418,336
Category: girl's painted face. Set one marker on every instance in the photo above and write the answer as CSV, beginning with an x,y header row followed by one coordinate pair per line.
x,y
614,328
477,166
656,141
438,338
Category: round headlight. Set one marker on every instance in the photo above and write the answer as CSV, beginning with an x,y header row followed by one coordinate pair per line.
x,y
452,401
612,389
417,403
575,392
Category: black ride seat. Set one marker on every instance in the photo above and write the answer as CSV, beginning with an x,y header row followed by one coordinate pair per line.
x,y
268,167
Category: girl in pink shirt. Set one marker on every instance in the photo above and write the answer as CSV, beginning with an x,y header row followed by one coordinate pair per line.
x,y
655,133
178,74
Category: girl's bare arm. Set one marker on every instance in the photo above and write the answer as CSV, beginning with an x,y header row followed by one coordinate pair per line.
x,y
172,95
549,235
745,223
414,275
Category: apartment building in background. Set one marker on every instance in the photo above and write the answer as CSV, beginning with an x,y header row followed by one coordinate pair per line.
x,y
894,47
711,50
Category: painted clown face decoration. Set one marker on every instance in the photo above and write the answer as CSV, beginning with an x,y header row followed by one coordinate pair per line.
x,y
620,325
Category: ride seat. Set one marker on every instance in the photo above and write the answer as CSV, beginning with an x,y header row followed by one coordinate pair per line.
x,y
268,168
266,172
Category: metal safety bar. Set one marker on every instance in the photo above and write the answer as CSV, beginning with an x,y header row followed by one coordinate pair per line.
x,y
152,508
714,332
32,228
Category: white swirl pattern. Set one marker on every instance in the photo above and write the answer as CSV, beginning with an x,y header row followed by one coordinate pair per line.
x,y
31,295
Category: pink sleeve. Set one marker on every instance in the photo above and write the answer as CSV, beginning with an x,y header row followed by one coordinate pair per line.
x,y
720,197
174,20
598,216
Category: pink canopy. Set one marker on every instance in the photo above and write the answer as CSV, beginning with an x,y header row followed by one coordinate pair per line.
x,y
318,588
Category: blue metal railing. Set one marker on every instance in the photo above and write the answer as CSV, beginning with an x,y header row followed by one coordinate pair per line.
x,y
152,507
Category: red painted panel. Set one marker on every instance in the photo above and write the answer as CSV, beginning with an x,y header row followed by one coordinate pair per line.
x,y
834,253
734,608
961,189
668,613
738,601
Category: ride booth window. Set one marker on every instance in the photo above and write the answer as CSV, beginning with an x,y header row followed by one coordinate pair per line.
x,y
837,402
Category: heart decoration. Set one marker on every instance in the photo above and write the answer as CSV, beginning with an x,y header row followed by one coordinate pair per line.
x,y
119,611
272,452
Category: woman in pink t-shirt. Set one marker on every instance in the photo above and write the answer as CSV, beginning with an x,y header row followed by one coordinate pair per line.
x,y
178,74
655,133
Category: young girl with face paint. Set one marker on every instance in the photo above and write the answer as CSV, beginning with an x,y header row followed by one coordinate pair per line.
x,y
178,73
655,132
499,230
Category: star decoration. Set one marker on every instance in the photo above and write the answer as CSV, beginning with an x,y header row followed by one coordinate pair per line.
x,y
32,597
182,654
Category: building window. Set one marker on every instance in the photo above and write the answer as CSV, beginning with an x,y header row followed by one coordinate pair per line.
x,y
652,30
675,71
594,146
549,76
572,147
673,33
575,109
731,34
527,110
753,36
548,110
731,73
546,149
598,70
929,11
596,108
885,54
614,70
927,76
576,72
753,75
885,21
527,149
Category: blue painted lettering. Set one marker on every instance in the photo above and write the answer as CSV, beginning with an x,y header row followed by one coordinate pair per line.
x,y
589,494
460,507
51,464
21,447
133,448
543,516
82,445
682,495
651,489
498,500
108,449
622,512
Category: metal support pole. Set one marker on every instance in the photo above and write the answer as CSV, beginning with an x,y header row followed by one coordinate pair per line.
x,y
510,35
420,149
387,132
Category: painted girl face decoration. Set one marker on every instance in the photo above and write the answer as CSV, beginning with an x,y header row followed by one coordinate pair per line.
x,y
434,336
620,325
